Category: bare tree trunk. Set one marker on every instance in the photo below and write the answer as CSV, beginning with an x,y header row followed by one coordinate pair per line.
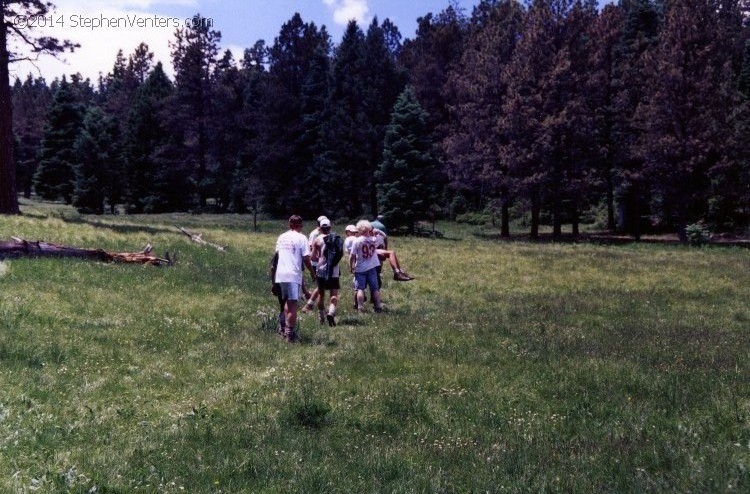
x,y
536,208
8,194
23,248
611,223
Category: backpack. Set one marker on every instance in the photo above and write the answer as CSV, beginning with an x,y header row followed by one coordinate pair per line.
x,y
334,250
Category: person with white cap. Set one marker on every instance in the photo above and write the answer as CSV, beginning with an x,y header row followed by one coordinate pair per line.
x,y
363,263
312,297
327,250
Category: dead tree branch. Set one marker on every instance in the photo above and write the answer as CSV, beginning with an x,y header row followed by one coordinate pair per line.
x,y
198,238
18,247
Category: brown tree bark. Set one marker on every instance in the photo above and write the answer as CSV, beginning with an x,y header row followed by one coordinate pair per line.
x,y
17,247
8,194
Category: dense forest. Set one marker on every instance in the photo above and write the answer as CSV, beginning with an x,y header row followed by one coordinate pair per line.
x,y
552,112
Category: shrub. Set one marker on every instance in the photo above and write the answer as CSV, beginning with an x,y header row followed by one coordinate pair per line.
x,y
697,234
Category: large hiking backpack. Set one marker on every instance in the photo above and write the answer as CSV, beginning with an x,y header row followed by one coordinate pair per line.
x,y
334,250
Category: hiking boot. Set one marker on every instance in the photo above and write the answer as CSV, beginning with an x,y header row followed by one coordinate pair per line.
x,y
322,320
401,276
331,320
379,310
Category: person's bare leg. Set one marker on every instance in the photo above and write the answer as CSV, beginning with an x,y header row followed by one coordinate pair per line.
x,y
291,320
331,316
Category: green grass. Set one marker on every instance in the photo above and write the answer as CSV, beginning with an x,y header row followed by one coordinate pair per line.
x,y
504,367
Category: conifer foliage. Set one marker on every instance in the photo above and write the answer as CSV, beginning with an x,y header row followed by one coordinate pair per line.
x,y
408,177
633,116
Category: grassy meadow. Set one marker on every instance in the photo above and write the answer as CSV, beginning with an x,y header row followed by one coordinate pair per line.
x,y
504,367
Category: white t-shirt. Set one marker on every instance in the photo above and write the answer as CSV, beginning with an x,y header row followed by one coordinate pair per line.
x,y
292,248
313,235
365,250
348,242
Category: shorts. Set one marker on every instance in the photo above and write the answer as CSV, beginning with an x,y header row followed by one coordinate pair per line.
x,y
330,284
367,278
290,291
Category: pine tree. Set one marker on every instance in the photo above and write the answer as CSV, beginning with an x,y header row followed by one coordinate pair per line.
x,y
316,179
283,161
383,83
408,177
194,53
31,102
225,133
54,178
94,162
249,182
474,162
639,36
348,130
11,38
602,95
686,118
428,58
531,112
148,185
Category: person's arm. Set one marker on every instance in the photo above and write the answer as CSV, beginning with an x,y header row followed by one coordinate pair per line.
x,y
309,266
272,269
315,256
352,261
382,234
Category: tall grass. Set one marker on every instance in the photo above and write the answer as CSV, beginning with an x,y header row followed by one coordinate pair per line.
x,y
504,367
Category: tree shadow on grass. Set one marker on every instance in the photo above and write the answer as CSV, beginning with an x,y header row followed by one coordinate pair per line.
x,y
603,238
120,228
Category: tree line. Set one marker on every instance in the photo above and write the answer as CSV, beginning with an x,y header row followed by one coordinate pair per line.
x,y
551,111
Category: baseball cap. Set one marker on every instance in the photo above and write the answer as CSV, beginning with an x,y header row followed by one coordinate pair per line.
x,y
325,222
351,228
321,218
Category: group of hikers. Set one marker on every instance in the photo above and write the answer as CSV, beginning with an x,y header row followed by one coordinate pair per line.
x,y
366,247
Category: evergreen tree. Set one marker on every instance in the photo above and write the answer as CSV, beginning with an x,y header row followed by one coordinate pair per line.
x,y
249,183
225,133
383,82
151,184
408,177
639,36
117,95
348,131
94,163
686,118
31,102
283,162
602,96
472,148
54,178
194,53
429,57
13,37
545,109
316,179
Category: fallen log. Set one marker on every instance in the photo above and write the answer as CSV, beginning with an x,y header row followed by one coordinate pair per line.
x,y
198,238
17,247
